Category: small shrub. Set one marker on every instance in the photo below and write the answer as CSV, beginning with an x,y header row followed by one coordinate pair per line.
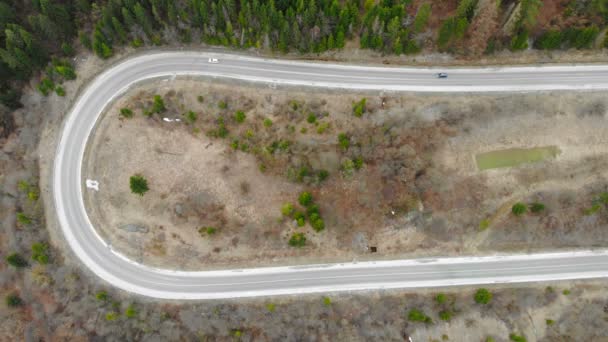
x,y
359,107
348,167
483,296
305,198
102,296
323,126
158,105
358,163
137,42
267,123
46,86
207,230
343,141
13,301
566,292
322,175
222,105
593,209
297,240
519,209
484,224
517,338
111,316
312,210
271,307
537,207
326,301
138,185
240,116
445,315
130,312
311,118
60,91
416,315
23,219
200,99
318,224
16,260
40,253
441,298
126,113
287,209
549,322
191,116
520,41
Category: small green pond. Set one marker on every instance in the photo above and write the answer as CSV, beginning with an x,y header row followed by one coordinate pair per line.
x,y
515,157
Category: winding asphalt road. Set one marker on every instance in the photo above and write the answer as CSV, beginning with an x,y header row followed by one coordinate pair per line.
x,y
68,182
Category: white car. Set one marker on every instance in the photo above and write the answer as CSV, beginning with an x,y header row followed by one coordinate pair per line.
x,y
213,60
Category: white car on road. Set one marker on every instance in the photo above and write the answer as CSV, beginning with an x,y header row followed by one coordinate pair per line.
x,y
213,60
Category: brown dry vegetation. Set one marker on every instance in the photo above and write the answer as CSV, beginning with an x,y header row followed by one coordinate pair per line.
x,y
418,191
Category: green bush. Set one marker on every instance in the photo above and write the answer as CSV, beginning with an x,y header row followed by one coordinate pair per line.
x,y
312,209
222,105
287,209
323,126
441,298
267,123
240,116
549,321
111,316
445,315
422,17
200,99
305,198
126,113
13,301
358,163
359,107
138,184
207,230
537,207
520,41
297,240
517,338
326,301
483,296
60,91
322,175
416,315
16,260
46,86
158,105
484,224
40,253
191,117
550,40
271,307
317,223
23,219
343,141
519,209
311,118
102,296
131,312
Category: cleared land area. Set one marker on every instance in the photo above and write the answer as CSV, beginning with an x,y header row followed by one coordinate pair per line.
x,y
401,177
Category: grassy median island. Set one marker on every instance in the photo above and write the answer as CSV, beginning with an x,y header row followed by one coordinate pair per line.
x,y
241,175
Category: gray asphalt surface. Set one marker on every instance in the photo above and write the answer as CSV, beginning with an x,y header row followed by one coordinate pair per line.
x,y
68,182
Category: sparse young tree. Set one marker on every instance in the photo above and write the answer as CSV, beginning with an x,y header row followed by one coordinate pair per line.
x,y
138,184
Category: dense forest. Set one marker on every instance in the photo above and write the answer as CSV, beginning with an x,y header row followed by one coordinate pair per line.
x,y
40,35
